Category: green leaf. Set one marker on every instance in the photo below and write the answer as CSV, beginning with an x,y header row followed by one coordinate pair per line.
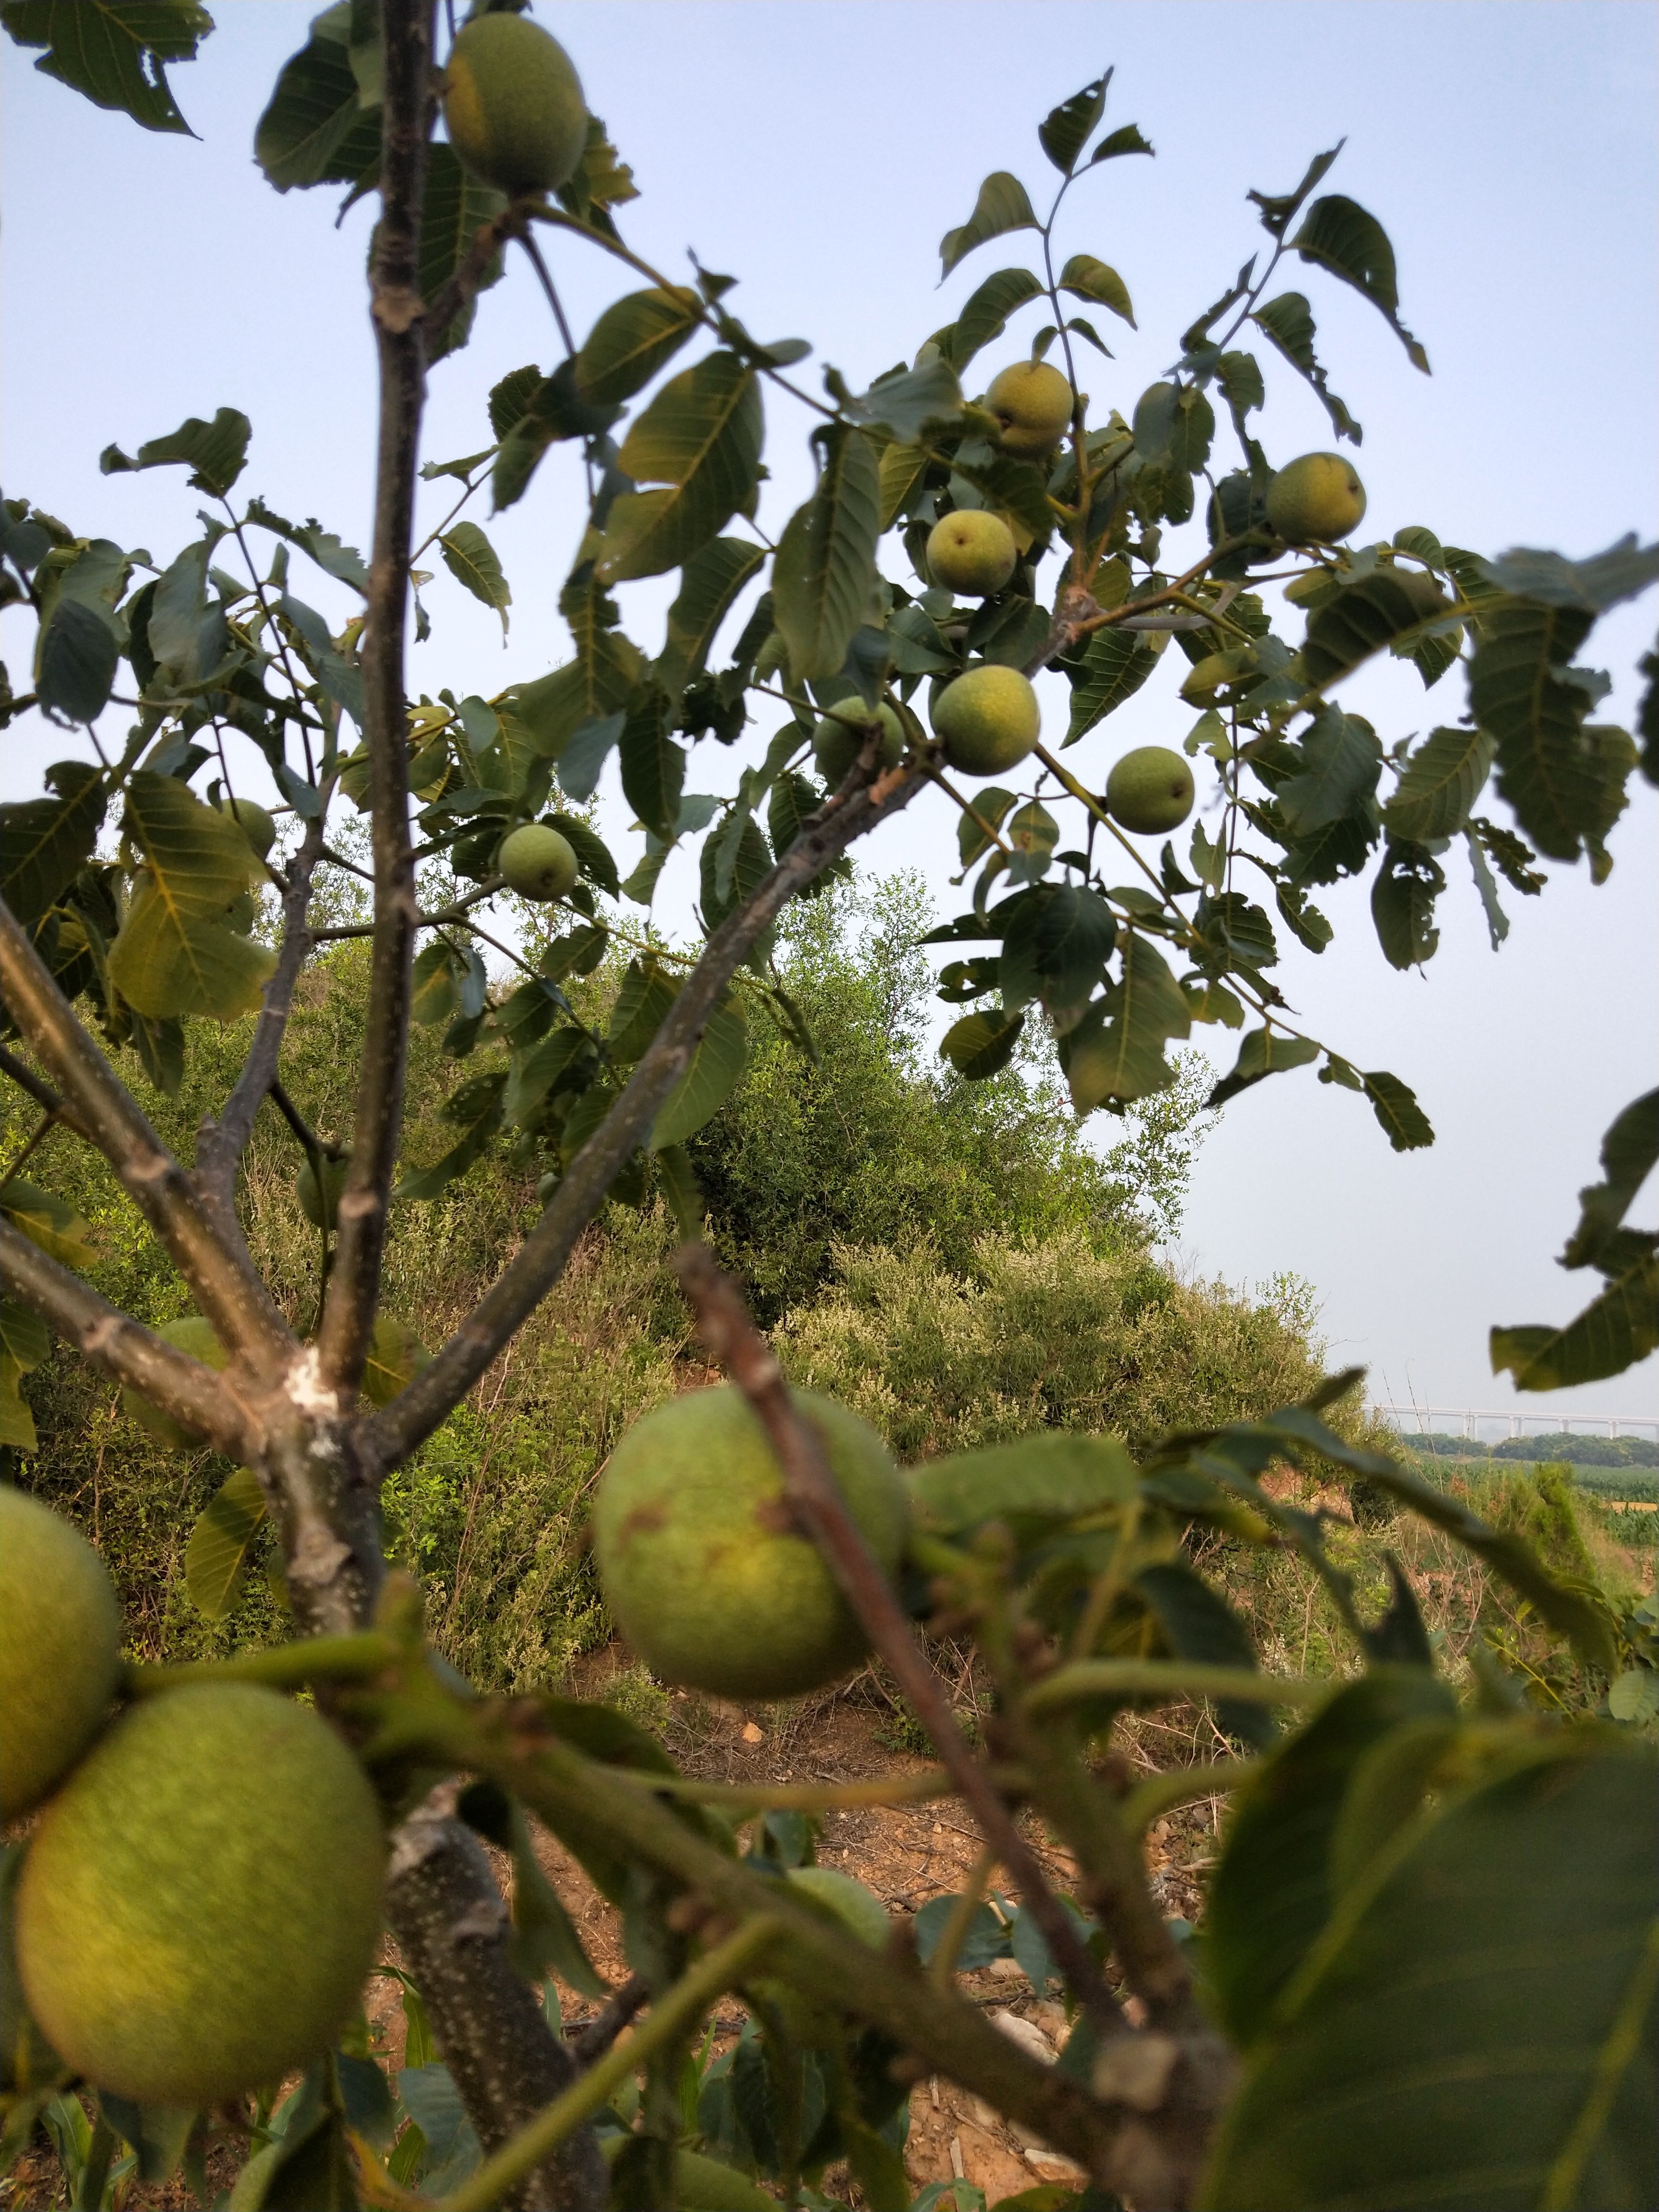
x,y
454,207
652,765
1407,1126
24,1337
433,987
1630,1151
646,994
1605,579
740,844
1407,885
1273,1893
475,1108
1057,947
317,128
681,1189
1087,278
1360,621
48,1221
216,453
1262,1053
589,688
176,952
45,842
721,1055
1002,206
709,585
826,559
1443,778
1288,322
986,315
793,800
115,51
76,660
701,437
535,1073
1115,664
1552,771
1050,1476
1125,139
909,401
1341,236
976,830
1344,761
1611,1334
632,339
1119,1052
1198,1623
1066,131
1468,2029
332,556
216,1557
16,1421
471,560
980,1045
552,411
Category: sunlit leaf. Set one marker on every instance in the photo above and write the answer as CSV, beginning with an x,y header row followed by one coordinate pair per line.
x,y
176,953
48,1221
45,842
471,560
216,1557
718,1062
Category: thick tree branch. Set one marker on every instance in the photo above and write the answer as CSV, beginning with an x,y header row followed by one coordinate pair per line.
x,y
201,1399
733,1340
396,310
451,1927
228,1291
221,1142
388,1437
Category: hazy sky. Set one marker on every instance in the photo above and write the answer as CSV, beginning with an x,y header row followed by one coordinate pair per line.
x,y
819,151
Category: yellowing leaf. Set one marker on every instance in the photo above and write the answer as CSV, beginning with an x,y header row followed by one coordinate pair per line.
x,y
177,953
57,1229
216,1557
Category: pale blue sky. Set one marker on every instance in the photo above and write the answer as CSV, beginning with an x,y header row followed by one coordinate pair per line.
x,y
819,151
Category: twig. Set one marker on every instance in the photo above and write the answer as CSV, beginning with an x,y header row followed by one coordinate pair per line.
x,y
595,2037
733,1340
671,2016
123,1348
302,1128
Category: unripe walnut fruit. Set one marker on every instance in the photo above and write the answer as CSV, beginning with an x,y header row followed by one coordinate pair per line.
x,y
1032,402
1315,500
60,1648
988,720
971,551
1149,791
513,106
538,862
841,735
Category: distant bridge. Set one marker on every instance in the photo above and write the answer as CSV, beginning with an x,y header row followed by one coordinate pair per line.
x,y
1422,1418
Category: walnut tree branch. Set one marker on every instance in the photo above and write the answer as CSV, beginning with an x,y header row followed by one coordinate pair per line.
x,y
222,1279
396,311
388,1437
733,1340
193,1394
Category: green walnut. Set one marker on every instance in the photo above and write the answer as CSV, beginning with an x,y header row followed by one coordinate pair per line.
x,y
189,1334
972,552
202,1901
538,861
1315,500
1032,403
251,819
1149,791
513,106
987,720
840,736
60,1648
702,1563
